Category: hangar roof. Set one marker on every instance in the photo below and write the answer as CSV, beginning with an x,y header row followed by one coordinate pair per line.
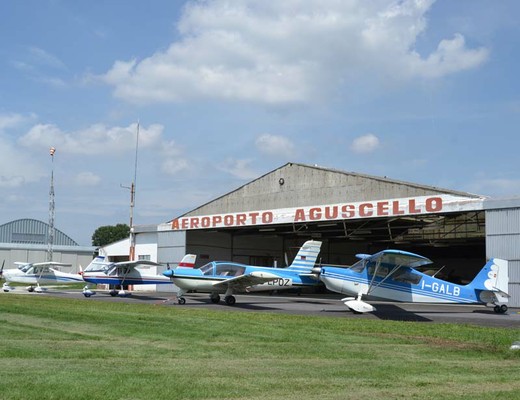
x,y
32,231
307,185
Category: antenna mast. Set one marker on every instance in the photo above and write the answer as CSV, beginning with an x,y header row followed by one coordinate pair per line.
x,y
50,234
132,200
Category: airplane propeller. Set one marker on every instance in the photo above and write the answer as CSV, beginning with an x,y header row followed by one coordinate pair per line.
x,y
2,270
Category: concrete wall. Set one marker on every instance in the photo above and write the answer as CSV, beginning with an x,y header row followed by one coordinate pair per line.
x,y
301,185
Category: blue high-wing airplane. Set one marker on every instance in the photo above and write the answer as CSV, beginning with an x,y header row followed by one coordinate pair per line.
x,y
101,271
219,277
392,275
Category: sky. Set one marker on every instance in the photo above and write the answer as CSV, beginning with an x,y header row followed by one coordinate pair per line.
x,y
223,91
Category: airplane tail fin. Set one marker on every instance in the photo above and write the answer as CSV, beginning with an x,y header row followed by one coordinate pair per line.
x,y
188,261
493,281
306,257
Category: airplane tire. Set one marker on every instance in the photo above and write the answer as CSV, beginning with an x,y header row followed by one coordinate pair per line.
x,y
215,299
503,309
30,290
181,301
230,300
113,293
87,294
497,309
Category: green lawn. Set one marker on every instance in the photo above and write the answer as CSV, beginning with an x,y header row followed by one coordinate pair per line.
x,y
55,348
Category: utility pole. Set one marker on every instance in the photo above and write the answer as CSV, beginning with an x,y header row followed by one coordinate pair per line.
x,y
50,234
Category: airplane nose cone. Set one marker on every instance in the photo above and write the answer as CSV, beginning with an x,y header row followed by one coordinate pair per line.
x,y
168,273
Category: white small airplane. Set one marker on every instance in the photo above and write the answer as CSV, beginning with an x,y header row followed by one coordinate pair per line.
x,y
34,274
393,275
101,271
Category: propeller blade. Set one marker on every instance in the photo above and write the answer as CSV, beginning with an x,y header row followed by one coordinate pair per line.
x,y
2,269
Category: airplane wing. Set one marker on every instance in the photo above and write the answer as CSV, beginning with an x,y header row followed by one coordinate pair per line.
x,y
51,264
399,258
133,264
242,282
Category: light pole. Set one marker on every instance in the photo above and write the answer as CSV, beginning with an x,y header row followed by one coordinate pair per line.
x,y
50,234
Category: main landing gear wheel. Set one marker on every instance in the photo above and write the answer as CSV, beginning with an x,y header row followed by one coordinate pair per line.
x,y
230,300
502,309
30,289
215,299
181,301
113,293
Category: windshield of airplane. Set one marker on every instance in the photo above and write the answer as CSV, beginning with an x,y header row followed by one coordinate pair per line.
x,y
359,266
97,266
25,268
207,269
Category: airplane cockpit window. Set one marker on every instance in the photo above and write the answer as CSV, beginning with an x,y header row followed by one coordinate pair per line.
x,y
122,270
358,266
25,268
406,276
381,271
95,267
207,269
229,270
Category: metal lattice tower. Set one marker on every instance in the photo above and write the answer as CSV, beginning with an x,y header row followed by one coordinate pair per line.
x,y
50,236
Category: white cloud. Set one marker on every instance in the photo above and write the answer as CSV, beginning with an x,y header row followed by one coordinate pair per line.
x,y
173,166
12,120
286,52
274,145
173,160
17,167
87,179
365,144
43,57
96,139
496,187
238,168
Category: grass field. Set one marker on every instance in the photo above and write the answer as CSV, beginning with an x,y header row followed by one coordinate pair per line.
x,y
55,348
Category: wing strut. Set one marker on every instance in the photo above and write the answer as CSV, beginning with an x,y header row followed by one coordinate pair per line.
x,y
122,291
392,271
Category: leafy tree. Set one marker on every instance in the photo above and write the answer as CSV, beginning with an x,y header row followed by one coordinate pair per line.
x,y
109,234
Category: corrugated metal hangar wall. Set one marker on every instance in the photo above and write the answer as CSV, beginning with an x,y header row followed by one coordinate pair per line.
x,y
503,241
455,240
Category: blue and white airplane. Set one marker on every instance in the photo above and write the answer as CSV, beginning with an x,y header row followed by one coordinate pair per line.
x,y
222,277
101,271
392,275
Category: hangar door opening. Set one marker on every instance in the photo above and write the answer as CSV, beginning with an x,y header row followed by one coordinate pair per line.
x,y
455,242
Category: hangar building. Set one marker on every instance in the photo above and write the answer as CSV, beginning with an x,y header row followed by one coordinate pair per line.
x,y
264,222
25,240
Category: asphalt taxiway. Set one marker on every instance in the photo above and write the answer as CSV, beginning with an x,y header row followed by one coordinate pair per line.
x,y
318,305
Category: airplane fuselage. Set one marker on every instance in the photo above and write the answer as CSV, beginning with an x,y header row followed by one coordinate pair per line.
x,y
133,278
204,281
413,286
48,277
